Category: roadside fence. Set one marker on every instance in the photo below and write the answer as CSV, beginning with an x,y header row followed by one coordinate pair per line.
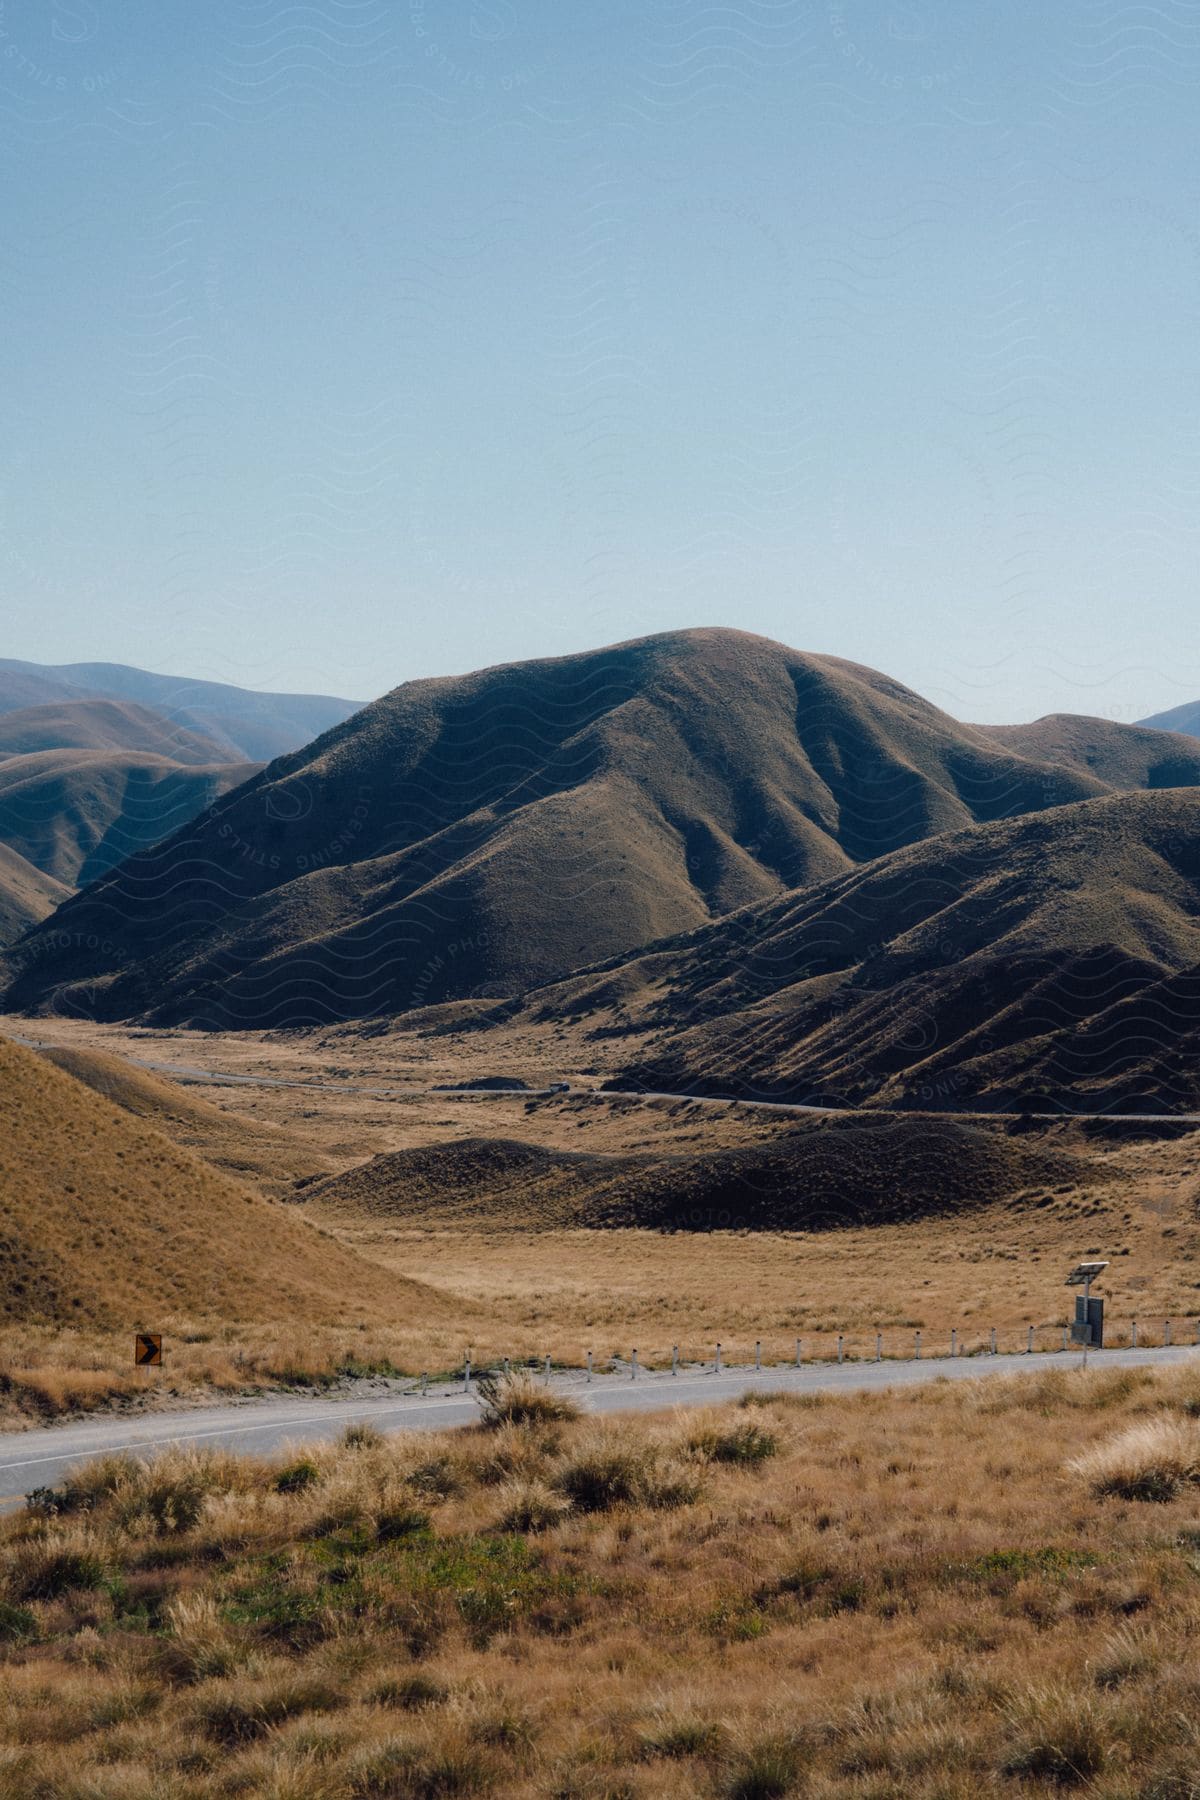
x,y
759,1354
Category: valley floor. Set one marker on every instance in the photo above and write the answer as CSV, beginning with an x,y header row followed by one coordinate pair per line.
x,y
285,1109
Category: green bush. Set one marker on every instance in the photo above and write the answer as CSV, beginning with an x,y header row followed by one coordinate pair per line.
x,y
746,1443
297,1476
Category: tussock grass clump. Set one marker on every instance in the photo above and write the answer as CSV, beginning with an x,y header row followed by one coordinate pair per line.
x,y
519,1399
234,1714
743,1442
530,1506
612,1469
675,1735
410,1693
1153,1460
766,1771
1057,1737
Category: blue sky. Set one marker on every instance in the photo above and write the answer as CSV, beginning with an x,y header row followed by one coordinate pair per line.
x,y
357,341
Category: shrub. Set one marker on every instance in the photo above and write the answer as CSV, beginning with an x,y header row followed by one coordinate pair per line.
x,y
530,1506
611,1470
1150,1461
518,1399
45,1568
745,1442
297,1476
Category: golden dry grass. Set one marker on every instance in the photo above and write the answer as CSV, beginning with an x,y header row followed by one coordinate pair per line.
x,y
563,1292
895,1594
105,1222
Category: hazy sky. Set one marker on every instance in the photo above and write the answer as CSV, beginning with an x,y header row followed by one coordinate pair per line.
x,y
347,342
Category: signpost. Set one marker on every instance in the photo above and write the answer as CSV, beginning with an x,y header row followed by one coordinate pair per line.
x,y
1089,1314
147,1349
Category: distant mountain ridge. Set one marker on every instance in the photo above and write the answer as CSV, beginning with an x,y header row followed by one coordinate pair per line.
x,y
1185,718
475,836
243,725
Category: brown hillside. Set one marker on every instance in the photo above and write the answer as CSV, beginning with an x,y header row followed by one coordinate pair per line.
x,y
826,1173
103,725
1185,719
104,1221
1052,960
1122,756
265,1155
472,836
244,725
26,895
74,814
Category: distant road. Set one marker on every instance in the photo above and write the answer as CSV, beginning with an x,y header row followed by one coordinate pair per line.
x,y
40,1458
190,1072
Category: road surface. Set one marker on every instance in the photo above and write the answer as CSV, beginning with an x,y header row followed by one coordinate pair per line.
x,y
193,1073
263,1427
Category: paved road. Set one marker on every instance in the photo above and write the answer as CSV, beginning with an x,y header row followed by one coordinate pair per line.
x,y
190,1072
41,1457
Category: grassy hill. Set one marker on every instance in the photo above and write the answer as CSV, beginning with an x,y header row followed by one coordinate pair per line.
x,y
26,895
826,1173
245,726
1122,756
475,835
1184,718
103,725
104,1221
1051,960
268,1156
75,814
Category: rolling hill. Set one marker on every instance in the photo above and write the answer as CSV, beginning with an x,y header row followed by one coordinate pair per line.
x,y
104,1221
1185,718
476,835
103,725
75,814
266,1156
245,726
26,895
1048,961
826,1173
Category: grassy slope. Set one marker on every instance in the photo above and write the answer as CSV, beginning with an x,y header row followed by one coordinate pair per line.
x,y
103,725
266,1155
823,1174
74,814
26,895
914,1594
468,836
1048,960
105,1221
